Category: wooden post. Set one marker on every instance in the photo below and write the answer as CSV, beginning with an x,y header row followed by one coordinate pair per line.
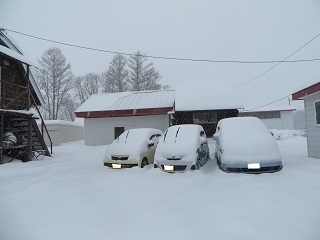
x,y
28,86
1,139
29,139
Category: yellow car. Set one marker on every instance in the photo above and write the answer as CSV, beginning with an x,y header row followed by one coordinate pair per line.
x,y
135,147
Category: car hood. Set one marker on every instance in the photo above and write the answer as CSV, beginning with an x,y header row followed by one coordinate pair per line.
x,y
251,151
169,149
132,149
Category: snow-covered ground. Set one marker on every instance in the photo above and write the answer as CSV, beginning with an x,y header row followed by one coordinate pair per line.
x,y
73,196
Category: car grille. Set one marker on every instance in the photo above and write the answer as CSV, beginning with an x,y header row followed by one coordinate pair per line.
x,y
122,165
177,167
173,158
262,169
120,158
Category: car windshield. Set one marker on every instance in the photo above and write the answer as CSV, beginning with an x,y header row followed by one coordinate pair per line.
x,y
180,134
133,136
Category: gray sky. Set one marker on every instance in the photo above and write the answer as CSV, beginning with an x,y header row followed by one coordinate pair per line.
x,y
217,30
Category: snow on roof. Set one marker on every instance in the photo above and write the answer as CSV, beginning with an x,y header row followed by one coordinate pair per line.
x,y
128,100
208,95
271,108
16,52
15,55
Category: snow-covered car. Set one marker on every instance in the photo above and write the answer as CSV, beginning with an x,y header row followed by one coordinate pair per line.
x,y
244,144
182,147
135,147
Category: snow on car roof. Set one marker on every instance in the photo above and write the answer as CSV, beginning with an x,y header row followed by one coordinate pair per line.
x,y
207,95
128,100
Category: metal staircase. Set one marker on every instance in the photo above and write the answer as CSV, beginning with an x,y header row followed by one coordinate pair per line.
x,y
30,143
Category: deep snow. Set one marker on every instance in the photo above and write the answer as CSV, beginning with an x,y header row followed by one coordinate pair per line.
x,y
73,196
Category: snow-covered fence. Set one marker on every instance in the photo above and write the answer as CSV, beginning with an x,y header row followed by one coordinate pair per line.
x,y
62,131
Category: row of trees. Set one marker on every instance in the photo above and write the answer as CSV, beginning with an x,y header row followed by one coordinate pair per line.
x,y
64,92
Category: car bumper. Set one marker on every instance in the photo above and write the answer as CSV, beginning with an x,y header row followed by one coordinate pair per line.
x,y
124,164
178,165
265,167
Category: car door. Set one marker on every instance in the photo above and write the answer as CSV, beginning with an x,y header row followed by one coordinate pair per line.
x,y
154,138
204,148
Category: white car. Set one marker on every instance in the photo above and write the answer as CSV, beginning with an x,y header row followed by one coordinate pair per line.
x,y
244,144
135,147
182,147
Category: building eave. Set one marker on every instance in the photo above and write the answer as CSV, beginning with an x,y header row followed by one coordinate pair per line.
x,y
300,95
124,113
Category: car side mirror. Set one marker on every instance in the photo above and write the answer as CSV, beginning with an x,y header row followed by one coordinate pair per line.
x,y
215,137
150,143
203,140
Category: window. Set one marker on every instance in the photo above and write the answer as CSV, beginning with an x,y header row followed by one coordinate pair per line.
x,y
204,117
317,110
118,131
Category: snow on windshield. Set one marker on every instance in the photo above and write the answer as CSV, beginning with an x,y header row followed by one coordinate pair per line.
x,y
181,133
134,135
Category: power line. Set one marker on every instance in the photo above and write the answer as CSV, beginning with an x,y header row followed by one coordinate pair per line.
x,y
167,58
284,60
268,103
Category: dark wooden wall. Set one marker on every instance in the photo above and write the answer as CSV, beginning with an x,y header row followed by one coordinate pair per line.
x,y
210,128
13,82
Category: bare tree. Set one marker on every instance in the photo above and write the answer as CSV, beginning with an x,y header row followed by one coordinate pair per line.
x,y
142,75
116,78
69,106
54,80
85,86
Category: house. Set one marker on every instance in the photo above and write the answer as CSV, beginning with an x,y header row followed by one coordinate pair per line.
x,y
311,97
274,117
18,93
108,115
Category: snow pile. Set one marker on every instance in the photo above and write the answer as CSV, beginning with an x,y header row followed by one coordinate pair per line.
x,y
285,134
73,196
207,95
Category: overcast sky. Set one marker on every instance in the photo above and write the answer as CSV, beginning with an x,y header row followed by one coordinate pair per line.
x,y
249,30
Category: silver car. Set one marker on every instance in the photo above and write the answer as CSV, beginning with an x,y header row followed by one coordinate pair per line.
x,y
244,144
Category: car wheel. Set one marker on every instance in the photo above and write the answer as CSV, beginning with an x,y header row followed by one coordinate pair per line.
x,y
198,163
144,162
218,162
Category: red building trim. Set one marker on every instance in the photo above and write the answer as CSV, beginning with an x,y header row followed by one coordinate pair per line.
x,y
124,113
306,91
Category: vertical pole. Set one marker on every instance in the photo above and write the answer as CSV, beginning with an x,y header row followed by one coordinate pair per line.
x,y
29,139
0,86
1,139
28,87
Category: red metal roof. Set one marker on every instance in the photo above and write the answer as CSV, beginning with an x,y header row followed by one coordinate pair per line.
x,y
124,113
306,91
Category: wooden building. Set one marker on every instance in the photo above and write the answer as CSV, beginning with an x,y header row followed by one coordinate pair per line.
x,y
108,115
20,136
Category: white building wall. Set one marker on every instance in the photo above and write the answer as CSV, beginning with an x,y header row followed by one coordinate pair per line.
x,y
100,131
287,120
273,123
313,131
284,122
63,133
